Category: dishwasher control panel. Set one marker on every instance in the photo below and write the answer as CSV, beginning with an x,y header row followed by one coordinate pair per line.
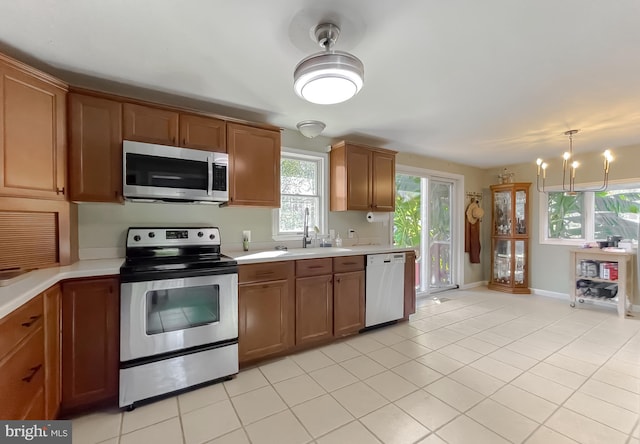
x,y
390,258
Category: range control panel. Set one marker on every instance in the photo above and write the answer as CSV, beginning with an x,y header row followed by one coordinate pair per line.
x,y
166,237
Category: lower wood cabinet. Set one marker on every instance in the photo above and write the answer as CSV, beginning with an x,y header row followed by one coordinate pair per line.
x,y
90,342
266,310
314,309
409,284
22,362
348,302
52,351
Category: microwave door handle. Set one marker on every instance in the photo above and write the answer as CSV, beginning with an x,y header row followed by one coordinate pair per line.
x,y
210,172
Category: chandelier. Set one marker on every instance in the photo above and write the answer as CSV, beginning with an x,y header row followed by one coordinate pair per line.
x,y
330,76
569,167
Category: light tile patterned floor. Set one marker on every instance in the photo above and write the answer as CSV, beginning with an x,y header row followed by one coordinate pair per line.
x,y
483,367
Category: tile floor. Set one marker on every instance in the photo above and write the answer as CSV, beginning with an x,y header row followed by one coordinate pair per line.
x,y
483,367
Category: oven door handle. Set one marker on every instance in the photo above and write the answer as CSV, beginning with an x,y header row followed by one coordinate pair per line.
x,y
210,174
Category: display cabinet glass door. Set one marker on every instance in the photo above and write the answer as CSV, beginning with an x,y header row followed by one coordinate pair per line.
x,y
521,204
502,213
502,261
519,276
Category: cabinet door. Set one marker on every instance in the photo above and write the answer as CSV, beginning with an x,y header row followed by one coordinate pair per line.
x,y
359,192
409,284
203,133
90,342
152,125
265,319
33,142
254,166
52,351
95,142
383,182
314,309
348,302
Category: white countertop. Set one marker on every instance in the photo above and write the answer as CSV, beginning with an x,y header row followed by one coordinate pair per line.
x,y
254,257
14,295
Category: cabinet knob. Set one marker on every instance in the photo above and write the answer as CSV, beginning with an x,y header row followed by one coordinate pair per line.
x,y
60,190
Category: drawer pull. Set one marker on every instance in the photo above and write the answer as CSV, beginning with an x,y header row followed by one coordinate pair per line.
x,y
313,267
32,320
34,370
349,263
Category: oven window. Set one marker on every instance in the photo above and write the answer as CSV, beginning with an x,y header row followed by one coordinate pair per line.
x,y
182,308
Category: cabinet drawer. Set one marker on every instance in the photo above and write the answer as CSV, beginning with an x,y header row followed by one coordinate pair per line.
x,y
268,271
313,267
348,263
22,377
19,323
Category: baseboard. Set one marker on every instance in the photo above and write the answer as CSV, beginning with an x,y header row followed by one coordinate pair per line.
x,y
473,285
550,294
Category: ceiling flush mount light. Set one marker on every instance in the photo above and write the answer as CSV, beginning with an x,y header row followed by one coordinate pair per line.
x,y
331,76
311,128
569,167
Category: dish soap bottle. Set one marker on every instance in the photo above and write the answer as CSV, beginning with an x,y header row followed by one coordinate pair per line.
x,y
338,240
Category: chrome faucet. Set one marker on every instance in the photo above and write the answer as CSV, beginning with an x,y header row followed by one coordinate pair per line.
x,y
306,240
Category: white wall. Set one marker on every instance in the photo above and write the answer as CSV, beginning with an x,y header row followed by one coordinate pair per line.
x,y
102,227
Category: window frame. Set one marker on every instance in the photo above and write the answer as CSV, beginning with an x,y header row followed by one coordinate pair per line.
x,y
322,160
589,210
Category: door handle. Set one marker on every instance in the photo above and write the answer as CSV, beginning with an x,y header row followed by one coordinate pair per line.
x,y
210,175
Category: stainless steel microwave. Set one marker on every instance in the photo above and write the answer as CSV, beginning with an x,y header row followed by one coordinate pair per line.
x,y
167,173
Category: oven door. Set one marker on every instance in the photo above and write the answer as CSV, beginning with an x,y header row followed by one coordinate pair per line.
x,y
164,316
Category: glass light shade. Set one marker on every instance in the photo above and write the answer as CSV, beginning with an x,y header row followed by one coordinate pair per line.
x,y
310,128
328,77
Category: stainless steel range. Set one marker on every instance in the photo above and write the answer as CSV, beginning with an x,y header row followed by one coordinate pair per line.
x,y
178,312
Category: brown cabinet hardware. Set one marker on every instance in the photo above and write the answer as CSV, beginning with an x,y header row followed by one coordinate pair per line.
x,y
33,370
32,320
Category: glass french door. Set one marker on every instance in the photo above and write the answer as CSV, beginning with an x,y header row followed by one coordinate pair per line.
x,y
423,220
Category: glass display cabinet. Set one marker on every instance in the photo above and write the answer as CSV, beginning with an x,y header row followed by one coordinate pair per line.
x,y
510,238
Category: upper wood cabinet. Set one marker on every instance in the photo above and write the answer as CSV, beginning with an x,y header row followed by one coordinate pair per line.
x,y
32,124
203,133
254,166
151,125
362,178
90,342
167,127
95,160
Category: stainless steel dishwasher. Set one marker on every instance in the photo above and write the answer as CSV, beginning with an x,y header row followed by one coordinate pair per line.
x,y
384,288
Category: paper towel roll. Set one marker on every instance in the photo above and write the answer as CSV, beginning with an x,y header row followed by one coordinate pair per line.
x,y
377,217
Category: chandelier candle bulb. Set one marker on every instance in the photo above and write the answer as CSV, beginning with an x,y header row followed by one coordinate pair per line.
x,y
567,156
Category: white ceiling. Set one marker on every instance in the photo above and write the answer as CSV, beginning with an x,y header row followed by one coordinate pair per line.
x,y
483,83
